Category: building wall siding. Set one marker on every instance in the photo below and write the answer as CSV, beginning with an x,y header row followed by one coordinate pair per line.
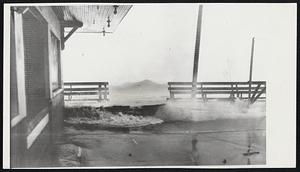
x,y
57,109
41,99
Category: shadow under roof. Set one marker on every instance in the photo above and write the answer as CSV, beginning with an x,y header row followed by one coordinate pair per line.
x,y
93,17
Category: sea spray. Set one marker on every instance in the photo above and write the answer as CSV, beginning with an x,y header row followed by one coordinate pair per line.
x,y
192,110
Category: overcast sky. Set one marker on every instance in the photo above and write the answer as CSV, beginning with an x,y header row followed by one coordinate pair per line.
x,y
157,42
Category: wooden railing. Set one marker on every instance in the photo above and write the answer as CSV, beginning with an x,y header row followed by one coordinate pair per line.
x,y
244,90
84,89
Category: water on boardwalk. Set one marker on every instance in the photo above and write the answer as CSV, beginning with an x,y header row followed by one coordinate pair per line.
x,y
194,133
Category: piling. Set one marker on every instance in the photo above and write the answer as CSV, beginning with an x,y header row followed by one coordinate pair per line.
x,y
251,66
196,55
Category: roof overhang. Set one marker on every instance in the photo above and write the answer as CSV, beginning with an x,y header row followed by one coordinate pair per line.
x,y
91,18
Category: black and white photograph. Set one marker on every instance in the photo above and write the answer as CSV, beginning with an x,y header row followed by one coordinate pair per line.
x,y
99,85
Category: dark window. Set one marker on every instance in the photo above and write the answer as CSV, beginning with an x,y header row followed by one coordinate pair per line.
x,y
35,44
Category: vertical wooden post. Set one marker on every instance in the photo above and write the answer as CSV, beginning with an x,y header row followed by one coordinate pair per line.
x,y
251,66
196,55
237,90
70,95
171,93
232,92
201,85
105,92
255,92
18,44
99,90
62,37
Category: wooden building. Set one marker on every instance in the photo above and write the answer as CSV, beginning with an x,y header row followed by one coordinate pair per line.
x,y
37,36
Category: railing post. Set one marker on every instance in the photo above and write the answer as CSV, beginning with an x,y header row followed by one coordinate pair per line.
x,y
99,90
249,94
194,89
232,92
237,90
105,92
171,93
70,95
203,98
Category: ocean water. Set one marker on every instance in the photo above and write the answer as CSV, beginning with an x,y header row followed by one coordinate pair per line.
x,y
190,110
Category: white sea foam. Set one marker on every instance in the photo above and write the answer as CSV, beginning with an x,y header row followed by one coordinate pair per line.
x,y
213,109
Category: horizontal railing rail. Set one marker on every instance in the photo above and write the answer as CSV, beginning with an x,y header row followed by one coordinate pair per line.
x,y
86,89
85,83
216,83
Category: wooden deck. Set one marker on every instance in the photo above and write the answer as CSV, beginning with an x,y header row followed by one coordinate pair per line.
x,y
213,90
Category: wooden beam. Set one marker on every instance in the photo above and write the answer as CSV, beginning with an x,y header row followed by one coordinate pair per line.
x,y
251,60
75,24
262,91
82,93
85,89
251,66
37,130
85,83
197,47
62,36
255,92
20,10
69,34
71,23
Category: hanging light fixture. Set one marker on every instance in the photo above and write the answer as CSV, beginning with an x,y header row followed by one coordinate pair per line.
x,y
108,21
115,9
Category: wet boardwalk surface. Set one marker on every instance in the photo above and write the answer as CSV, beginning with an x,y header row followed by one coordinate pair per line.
x,y
214,142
